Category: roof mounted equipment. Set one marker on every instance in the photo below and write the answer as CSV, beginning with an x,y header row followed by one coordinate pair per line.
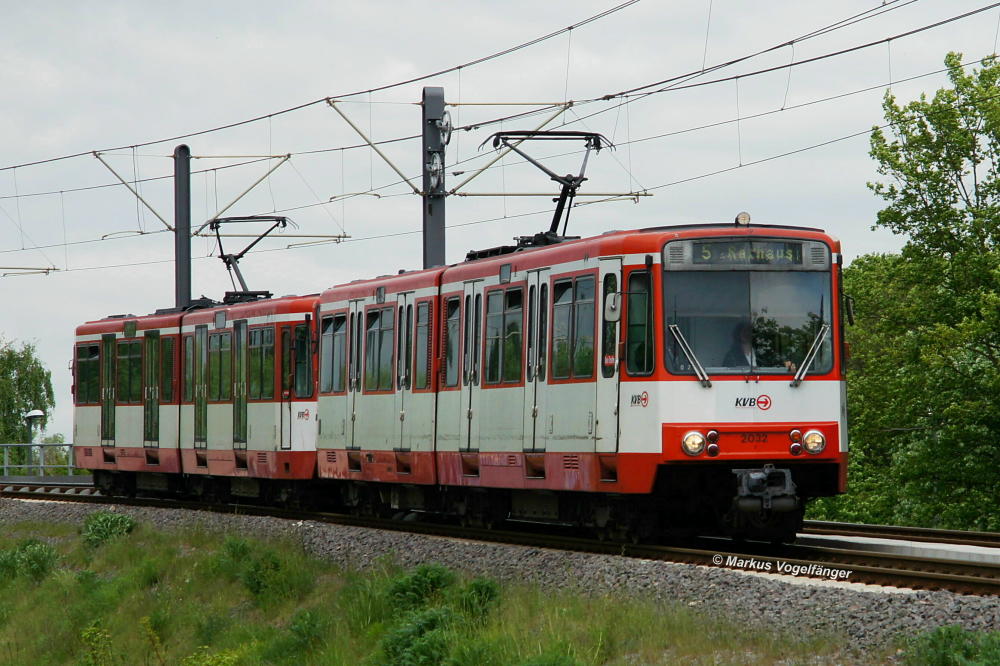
x,y
570,183
232,260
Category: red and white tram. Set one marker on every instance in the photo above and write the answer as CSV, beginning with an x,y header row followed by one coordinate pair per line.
x,y
676,379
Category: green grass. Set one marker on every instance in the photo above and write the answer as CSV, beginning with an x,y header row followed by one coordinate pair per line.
x,y
195,598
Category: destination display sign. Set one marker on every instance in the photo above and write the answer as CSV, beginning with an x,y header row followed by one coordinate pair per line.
x,y
767,252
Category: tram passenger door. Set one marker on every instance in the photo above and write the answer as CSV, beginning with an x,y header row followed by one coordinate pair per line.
x,y
472,353
109,379
240,384
535,412
285,408
404,365
151,389
200,387
606,431
355,332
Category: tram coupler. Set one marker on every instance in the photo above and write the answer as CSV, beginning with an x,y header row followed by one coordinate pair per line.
x,y
765,489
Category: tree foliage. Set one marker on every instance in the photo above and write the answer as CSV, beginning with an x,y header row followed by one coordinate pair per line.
x,y
25,384
924,380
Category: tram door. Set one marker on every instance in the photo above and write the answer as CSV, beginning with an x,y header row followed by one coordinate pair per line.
x,y
240,384
608,387
535,413
151,389
200,386
108,378
285,407
404,365
472,353
355,334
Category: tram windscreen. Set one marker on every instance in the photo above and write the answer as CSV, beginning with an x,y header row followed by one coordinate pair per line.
x,y
747,321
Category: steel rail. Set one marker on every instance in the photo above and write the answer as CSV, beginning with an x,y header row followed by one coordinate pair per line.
x,y
980,578
902,532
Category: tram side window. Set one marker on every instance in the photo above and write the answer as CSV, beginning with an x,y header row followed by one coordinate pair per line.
x,y
339,360
639,337
504,322
188,368
130,372
326,355
468,349
543,320
166,369
408,369
573,328
220,361
303,362
88,374
610,332
261,365
452,322
422,366
378,350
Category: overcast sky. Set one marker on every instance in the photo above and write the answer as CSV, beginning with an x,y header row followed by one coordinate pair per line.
x,y
79,77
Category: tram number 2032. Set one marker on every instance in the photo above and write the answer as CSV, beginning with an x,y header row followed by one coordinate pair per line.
x,y
753,437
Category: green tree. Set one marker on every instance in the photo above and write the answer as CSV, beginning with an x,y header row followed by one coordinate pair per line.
x,y
25,384
925,374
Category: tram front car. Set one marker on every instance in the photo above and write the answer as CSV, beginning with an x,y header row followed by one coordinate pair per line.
x,y
752,403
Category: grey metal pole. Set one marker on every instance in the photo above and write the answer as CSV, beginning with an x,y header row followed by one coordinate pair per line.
x,y
182,226
435,137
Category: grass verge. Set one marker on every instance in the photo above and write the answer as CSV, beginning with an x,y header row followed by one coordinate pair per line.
x,y
116,592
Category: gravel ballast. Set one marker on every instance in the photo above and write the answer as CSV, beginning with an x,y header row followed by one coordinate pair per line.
x,y
869,617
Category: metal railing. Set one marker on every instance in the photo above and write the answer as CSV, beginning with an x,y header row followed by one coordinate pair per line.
x,y
37,460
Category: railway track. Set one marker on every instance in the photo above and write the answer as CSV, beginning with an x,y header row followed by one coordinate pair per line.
x,y
921,534
811,561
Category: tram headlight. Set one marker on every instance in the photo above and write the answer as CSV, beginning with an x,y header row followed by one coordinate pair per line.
x,y
693,443
814,442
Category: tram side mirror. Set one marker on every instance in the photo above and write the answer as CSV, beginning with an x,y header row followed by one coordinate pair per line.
x,y
849,301
613,306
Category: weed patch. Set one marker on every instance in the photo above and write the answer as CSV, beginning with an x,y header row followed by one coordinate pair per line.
x,y
416,589
954,646
31,558
420,638
103,526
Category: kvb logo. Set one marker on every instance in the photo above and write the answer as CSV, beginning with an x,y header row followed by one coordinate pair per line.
x,y
762,402
640,399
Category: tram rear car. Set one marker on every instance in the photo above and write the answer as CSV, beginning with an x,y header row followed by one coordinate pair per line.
x,y
215,401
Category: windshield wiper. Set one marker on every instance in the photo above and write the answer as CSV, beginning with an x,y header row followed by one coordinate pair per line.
x,y
689,353
811,355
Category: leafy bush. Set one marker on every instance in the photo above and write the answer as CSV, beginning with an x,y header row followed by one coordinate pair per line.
x,y
307,628
421,638
415,589
262,573
31,558
97,646
477,597
267,576
103,526
954,646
